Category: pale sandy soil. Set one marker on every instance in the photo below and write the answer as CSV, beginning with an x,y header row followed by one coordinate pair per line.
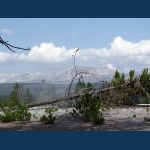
x,y
118,119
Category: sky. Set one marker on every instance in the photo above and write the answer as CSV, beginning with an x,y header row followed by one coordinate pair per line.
x,y
105,43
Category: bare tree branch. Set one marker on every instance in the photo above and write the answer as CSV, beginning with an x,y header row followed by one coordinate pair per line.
x,y
9,46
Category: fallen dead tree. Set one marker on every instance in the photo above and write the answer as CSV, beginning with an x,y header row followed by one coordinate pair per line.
x,y
65,98
77,96
52,101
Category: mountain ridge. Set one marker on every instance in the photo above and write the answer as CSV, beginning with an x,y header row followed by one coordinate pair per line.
x,y
63,76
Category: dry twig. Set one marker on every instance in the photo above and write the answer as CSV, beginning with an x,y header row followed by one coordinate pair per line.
x,y
9,46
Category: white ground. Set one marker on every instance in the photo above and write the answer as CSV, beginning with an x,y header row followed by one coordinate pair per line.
x,y
118,119
112,114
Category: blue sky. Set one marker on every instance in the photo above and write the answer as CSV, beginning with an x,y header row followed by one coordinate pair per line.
x,y
112,43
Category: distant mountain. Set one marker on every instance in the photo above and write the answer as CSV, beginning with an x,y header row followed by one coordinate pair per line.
x,y
64,76
26,78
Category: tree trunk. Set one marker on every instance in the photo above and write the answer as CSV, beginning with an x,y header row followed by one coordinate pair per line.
x,y
65,98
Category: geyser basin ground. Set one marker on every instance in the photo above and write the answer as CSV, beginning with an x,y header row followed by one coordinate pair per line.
x,y
117,119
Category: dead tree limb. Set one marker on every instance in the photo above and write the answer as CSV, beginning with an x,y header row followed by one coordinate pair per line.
x,y
52,101
65,98
9,46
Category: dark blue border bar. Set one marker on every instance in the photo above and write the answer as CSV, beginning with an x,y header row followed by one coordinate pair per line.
x,y
75,9
74,140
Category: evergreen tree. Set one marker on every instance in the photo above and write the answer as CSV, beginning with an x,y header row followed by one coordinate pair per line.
x,y
89,86
14,95
131,75
28,96
80,85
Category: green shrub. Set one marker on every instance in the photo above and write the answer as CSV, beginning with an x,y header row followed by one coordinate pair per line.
x,y
50,119
146,118
22,113
8,116
98,119
134,115
12,109
43,118
88,108
13,112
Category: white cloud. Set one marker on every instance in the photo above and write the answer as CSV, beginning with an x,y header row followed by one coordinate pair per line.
x,y
120,53
110,66
6,31
47,53
120,47
4,57
102,61
7,57
5,77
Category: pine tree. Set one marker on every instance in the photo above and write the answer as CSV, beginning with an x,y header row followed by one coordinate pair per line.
x,y
14,95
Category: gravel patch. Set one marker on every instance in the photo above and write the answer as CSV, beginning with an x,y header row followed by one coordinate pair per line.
x,y
117,119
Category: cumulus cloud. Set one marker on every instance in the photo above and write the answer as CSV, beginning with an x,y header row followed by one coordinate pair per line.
x,y
47,53
120,53
5,77
7,57
110,66
6,31
120,47
4,57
